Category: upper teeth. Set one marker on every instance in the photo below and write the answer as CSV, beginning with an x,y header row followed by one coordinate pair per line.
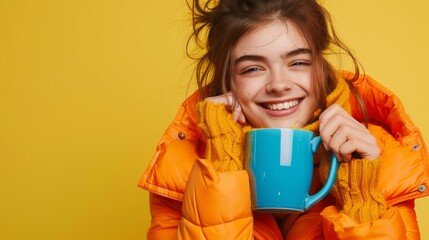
x,y
282,106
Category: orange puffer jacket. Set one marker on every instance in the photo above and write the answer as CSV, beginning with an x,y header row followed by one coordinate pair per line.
x,y
189,200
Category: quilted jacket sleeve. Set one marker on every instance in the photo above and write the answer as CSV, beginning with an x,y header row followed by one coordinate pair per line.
x,y
189,199
403,176
216,205
399,222
403,170
166,215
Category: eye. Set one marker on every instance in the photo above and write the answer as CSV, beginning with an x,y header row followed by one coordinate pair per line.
x,y
301,63
251,70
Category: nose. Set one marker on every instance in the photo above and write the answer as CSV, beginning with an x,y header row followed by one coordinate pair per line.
x,y
278,82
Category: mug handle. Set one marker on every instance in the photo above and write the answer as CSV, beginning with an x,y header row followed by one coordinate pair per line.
x,y
313,199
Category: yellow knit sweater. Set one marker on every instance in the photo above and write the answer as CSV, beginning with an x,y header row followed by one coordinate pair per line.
x,y
355,188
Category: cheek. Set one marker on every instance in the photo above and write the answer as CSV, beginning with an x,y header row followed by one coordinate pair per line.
x,y
242,91
248,89
242,95
307,83
246,93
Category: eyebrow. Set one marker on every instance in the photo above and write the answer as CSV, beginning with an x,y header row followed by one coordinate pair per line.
x,y
292,53
296,52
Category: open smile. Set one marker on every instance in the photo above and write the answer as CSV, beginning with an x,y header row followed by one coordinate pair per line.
x,y
281,106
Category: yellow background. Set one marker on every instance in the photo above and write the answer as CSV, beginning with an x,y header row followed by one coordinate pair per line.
x,y
87,88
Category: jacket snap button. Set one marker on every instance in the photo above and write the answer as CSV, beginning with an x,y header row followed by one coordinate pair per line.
x,y
416,147
181,136
422,188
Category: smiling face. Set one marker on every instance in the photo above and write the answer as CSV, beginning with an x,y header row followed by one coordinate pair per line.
x,y
272,76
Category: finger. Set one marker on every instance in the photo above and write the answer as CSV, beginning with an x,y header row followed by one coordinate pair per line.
x,y
337,112
330,128
343,134
242,118
233,107
329,112
238,115
226,99
364,149
349,139
334,121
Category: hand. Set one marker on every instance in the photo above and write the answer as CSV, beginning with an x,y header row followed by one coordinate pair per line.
x,y
229,100
344,135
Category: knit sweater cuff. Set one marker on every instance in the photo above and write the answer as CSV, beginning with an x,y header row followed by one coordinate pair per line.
x,y
357,185
224,136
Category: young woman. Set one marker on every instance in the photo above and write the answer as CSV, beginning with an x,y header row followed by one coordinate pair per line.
x,y
264,66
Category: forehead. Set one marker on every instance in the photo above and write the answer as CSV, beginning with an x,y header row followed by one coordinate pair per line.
x,y
273,36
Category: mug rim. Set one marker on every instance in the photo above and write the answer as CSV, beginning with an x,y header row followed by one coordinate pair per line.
x,y
279,128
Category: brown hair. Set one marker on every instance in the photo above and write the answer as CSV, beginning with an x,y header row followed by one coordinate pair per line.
x,y
219,24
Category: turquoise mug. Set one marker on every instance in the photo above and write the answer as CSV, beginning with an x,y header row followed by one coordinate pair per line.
x,y
279,162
